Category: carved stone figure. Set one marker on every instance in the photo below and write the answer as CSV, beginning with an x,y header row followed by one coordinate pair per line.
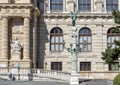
x,y
16,46
74,17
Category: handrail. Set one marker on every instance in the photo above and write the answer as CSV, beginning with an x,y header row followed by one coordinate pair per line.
x,y
36,73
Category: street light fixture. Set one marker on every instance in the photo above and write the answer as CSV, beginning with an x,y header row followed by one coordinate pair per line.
x,y
74,49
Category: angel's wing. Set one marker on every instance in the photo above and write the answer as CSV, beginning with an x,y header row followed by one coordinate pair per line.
x,y
76,12
71,12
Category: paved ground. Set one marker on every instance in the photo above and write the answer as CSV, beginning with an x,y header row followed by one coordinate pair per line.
x,y
87,82
96,82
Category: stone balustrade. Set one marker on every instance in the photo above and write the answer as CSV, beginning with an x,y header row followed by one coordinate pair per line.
x,y
36,73
15,1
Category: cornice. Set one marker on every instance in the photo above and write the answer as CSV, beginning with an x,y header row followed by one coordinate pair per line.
x,y
79,15
18,5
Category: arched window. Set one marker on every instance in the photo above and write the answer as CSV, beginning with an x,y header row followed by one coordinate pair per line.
x,y
56,5
111,37
84,5
56,39
85,39
111,5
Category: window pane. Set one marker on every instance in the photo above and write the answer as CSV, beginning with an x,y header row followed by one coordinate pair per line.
x,y
88,7
114,66
112,5
56,46
89,47
52,39
85,47
56,66
81,39
84,5
52,7
80,1
61,7
85,39
61,39
89,39
52,1
56,5
61,47
84,1
85,66
81,47
108,39
113,46
61,1
57,39
88,1
113,38
56,1
117,37
52,47
80,7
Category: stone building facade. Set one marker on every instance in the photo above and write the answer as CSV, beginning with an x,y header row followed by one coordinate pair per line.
x,y
32,34
94,23
17,32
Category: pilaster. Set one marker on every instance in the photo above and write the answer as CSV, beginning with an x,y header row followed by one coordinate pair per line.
x,y
71,5
99,6
26,50
4,47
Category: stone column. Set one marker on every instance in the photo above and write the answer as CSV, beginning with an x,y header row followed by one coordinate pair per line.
x,y
26,49
4,46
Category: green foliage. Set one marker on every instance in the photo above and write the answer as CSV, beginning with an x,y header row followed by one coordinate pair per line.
x,y
117,80
116,15
112,54
108,55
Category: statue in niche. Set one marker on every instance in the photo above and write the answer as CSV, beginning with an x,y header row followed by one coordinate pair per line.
x,y
16,46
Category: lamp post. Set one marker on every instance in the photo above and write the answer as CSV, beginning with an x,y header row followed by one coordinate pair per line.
x,y
74,49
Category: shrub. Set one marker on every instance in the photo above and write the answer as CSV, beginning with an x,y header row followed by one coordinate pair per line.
x,y
117,80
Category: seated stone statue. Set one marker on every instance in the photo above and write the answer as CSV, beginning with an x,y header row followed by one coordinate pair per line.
x,y
16,46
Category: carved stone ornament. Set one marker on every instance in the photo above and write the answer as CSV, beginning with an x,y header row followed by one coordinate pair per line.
x,y
16,46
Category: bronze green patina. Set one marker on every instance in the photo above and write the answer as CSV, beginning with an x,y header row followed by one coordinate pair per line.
x,y
74,17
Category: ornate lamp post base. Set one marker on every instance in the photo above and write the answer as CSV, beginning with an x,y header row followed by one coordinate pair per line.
x,y
74,79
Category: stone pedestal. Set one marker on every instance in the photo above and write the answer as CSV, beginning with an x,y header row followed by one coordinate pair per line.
x,y
3,63
15,56
26,63
22,63
74,79
16,59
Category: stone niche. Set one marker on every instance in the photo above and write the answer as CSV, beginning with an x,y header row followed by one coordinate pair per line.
x,y
16,51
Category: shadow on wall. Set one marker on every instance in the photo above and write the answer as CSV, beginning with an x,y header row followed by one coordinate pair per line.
x,y
42,37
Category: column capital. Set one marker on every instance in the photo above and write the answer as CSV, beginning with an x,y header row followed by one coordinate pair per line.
x,y
27,17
